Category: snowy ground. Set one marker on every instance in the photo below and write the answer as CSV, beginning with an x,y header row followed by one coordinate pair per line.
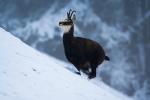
x,y
26,74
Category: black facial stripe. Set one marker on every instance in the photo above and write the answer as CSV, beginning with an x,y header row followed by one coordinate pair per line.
x,y
66,23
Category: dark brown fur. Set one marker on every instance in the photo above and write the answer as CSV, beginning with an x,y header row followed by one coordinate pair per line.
x,y
81,52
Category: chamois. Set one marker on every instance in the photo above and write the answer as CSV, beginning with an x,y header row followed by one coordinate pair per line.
x,y
84,54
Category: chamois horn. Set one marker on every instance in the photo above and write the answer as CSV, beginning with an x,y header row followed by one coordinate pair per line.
x,y
70,13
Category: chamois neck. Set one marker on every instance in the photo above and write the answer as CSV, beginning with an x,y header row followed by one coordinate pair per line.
x,y
67,37
70,32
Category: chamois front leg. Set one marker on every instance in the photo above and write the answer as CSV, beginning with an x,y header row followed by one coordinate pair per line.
x,y
78,73
78,70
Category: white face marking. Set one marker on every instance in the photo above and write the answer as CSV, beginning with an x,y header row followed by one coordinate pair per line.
x,y
66,28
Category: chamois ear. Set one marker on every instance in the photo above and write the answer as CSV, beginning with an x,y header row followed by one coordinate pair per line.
x,y
74,17
72,13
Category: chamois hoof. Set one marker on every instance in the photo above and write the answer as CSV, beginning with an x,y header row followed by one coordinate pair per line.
x,y
91,76
78,73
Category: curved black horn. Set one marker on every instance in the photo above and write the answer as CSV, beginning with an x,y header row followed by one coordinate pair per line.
x,y
72,13
68,14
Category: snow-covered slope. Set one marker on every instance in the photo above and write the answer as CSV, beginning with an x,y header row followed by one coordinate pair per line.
x,y
26,74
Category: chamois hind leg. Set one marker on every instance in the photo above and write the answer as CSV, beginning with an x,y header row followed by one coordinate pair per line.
x,y
93,73
84,67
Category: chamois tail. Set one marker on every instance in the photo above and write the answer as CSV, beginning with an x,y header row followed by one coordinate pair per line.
x,y
107,58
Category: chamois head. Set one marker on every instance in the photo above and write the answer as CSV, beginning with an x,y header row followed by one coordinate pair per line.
x,y
69,21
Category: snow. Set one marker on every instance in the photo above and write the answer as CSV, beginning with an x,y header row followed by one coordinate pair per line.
x,y
26,74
